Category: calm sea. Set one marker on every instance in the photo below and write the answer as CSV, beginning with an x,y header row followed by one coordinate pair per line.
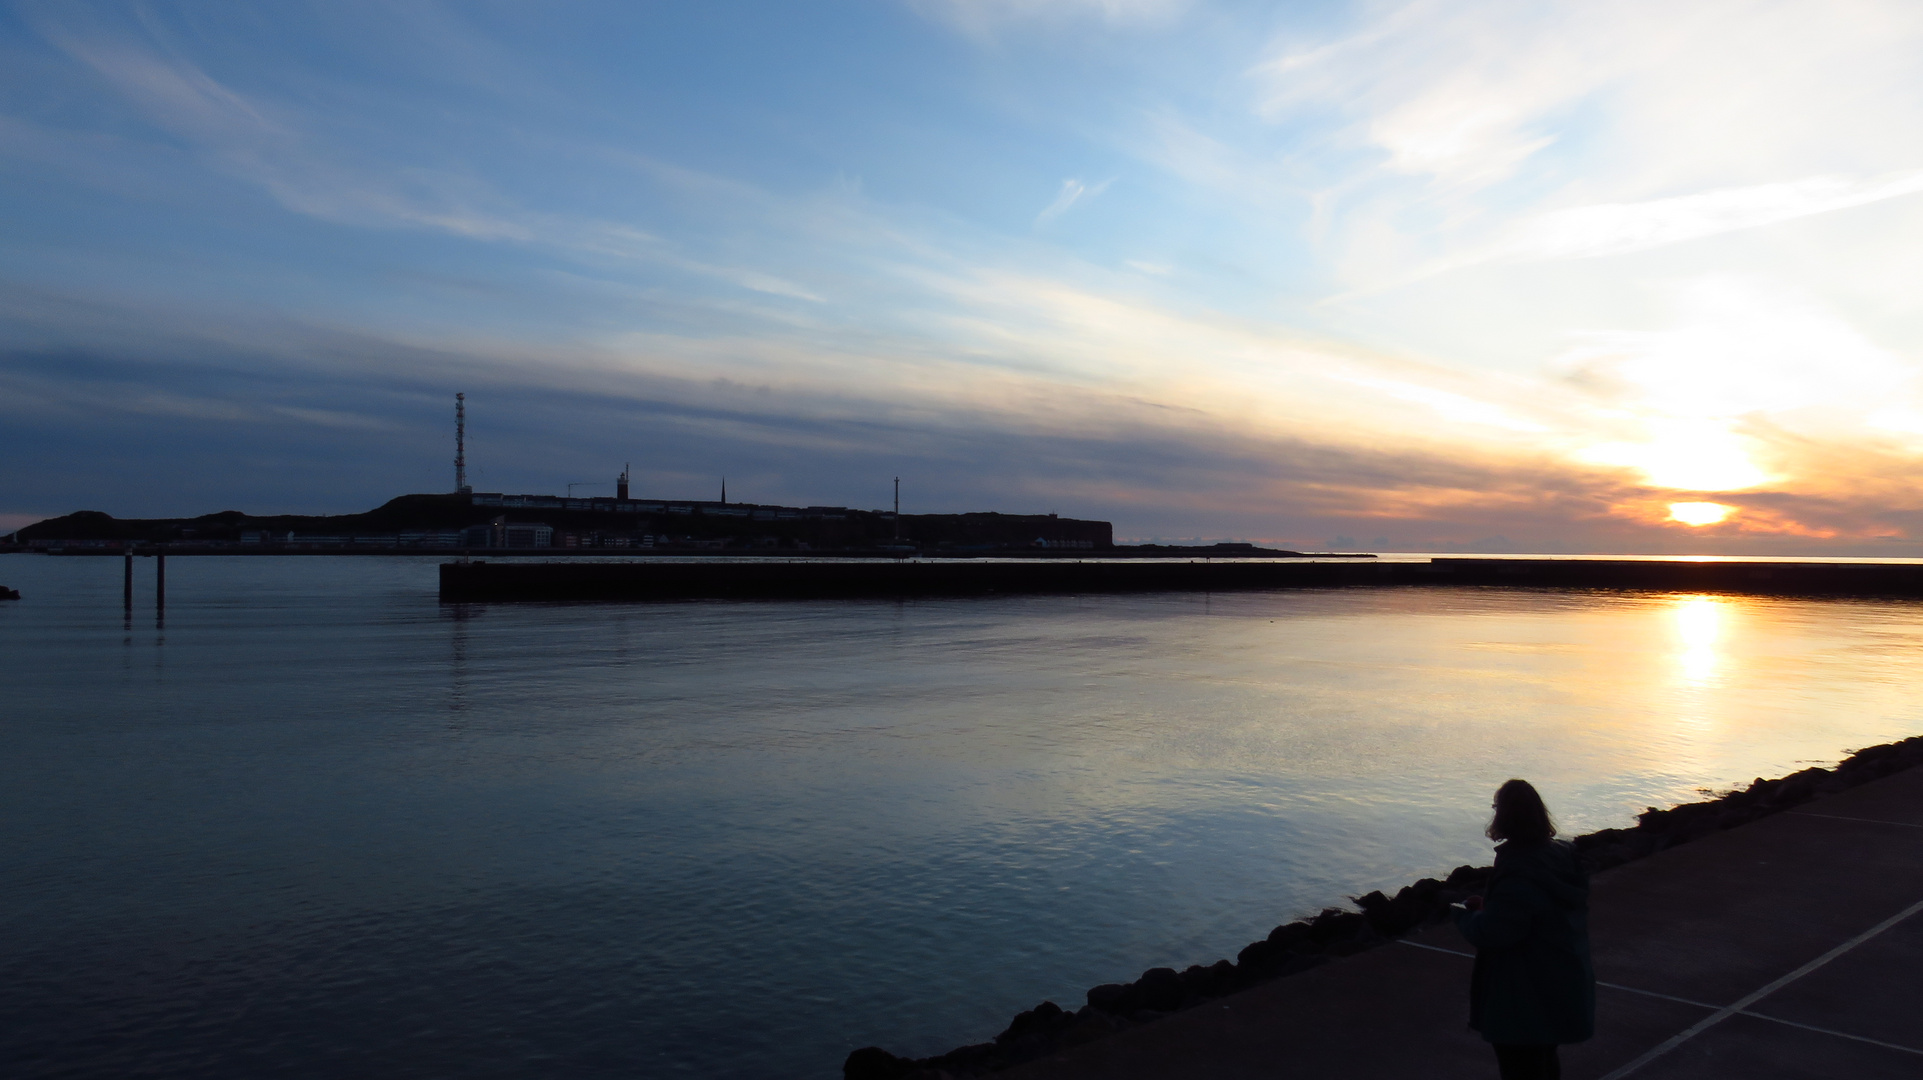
x,y
319,825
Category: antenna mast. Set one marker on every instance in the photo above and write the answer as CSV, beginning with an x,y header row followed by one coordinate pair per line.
x,y
897,507
460,445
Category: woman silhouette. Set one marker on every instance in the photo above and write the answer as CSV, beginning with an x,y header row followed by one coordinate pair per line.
x,y
1533,987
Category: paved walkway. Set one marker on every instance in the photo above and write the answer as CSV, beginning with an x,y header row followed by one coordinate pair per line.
x,y
1790,947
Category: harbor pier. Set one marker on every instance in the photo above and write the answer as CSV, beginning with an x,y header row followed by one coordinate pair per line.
x,y
743,579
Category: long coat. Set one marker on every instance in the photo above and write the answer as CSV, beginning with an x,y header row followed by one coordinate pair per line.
x,y
1533,981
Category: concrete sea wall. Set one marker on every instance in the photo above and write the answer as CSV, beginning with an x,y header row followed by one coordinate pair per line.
x,y
775,579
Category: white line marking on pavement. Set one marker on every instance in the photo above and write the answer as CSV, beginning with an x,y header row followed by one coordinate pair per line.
x,y
1838,1034
1437,948
1864,820
1610,985
1706,1005
1765,1016
1665,997
1755,996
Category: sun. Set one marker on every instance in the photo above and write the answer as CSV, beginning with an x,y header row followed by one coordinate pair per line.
x,y
1697,514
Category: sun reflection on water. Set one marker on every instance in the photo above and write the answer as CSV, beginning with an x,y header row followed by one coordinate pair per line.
x,y
1699,627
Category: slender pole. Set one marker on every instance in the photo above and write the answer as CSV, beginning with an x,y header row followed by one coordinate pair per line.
x,y
127,581
160,581
460,444
897,507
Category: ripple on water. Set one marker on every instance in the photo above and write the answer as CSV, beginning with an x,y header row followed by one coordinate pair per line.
x,y
318,824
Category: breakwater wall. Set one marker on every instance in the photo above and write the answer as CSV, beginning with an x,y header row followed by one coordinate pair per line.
x,y
1377,919
772,579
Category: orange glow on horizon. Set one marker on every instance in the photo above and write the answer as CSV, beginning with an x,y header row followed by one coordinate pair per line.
x,y
1698,514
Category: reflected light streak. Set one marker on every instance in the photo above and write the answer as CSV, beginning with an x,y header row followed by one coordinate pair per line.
x,y
1699,626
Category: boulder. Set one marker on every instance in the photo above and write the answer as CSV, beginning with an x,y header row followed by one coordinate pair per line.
x,y
1289,934
874,1063
1335,924
1161,990
1108,997
1209,981
1086,1029
1410,907
1038,1021
1257,961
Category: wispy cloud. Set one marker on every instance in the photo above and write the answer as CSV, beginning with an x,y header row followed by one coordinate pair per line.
x,y
1072,193
268,145
1459,94
1571,203
1605,229
982,19
1583,232
1451,134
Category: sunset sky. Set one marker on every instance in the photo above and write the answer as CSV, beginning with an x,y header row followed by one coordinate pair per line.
x,y
1531,276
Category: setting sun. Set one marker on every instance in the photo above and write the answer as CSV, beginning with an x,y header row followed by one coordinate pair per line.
x,y
1699,513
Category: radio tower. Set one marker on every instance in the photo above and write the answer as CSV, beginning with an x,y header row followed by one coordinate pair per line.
x,y
460,445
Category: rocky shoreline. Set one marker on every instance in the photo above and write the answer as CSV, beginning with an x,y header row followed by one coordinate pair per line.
x,y
1378,919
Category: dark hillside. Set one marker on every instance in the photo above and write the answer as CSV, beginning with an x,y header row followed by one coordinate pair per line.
x,y
435,520
407,512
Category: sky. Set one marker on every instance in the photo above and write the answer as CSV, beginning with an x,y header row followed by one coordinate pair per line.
x,y
1632,277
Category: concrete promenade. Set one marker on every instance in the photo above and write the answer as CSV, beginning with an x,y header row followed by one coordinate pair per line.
x,y
1788,947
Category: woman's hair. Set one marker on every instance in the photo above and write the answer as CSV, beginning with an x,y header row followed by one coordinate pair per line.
x,y
1520,814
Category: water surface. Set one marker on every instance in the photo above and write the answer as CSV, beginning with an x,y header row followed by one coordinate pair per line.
x,y
318,824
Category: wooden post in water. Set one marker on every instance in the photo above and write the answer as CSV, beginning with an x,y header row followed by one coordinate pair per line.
x,y
127,581
160,581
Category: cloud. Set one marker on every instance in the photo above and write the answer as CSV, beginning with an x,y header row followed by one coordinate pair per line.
x,y
1737,346
1451,134
276,148
1073,192
269,145
290,417
1145,464
1741,391
980,19
714,295
1596,231
1454,92
1584,232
